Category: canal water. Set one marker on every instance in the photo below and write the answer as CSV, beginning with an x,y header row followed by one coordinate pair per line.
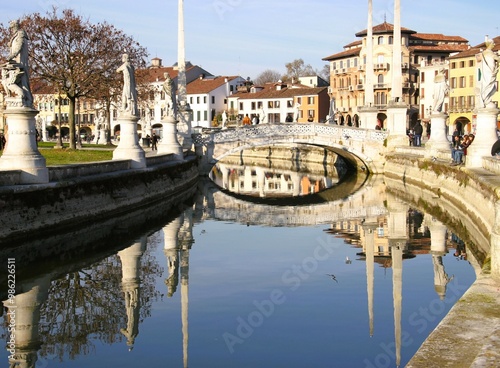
x,y
347,276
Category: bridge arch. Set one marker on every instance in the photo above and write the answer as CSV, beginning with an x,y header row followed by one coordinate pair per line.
x,y
363,148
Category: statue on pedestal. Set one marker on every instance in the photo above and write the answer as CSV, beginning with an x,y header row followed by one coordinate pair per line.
x,y
487,74
129,94
15,73
440,90
169,89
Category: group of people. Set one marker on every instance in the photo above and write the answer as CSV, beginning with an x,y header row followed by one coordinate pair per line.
x,y
254,121
459,147
415,134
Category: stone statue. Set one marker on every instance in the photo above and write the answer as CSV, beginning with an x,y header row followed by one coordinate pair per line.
x,y
224,119
487,74
297,112
129,94
262,116
331,112
440,91
169,89
15,73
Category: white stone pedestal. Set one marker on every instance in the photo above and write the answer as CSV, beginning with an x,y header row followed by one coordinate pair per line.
x,y
184,128
486,135
169,142
396,124
128,148
100,137
438,141
368,117
21,151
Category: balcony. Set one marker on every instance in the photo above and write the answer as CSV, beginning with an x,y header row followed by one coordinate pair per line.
x,y
461,108
380,66
380,86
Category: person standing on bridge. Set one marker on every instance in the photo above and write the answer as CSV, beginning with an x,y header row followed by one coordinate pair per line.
x,y
246,120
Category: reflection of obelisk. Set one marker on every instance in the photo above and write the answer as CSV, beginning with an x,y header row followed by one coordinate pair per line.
x,y
369,230
131,269
184,111
185,243
24,313
396,224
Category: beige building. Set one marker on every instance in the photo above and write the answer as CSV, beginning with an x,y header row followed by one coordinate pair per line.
x,y
462,79
348,70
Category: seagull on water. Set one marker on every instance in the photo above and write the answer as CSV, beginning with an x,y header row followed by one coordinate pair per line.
x,y
333,277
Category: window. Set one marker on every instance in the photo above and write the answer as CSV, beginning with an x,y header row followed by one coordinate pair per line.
x,y
310,100
259,104
380,59
471,63
380,40
341,64
462,82
270,104
391,40
471,80
310,113
276,104
289,103
241,105
334,65
205,115
422,92
355,62
299,100
213,99
198,99
253,106
453,82
348,63
462,64
198,115
422,77
453,65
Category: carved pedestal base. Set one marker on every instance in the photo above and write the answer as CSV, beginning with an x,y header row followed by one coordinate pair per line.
x,y
128,148
21,151
169,142
486,136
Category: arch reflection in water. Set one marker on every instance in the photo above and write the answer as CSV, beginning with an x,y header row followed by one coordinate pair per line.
x,y
260,176
80,311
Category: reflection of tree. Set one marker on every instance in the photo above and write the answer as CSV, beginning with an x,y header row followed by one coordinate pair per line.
x,y
88,305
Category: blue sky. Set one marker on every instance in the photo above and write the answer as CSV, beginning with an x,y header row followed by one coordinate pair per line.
x,y
246,37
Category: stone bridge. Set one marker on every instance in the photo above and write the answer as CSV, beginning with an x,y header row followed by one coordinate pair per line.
x,y
363,148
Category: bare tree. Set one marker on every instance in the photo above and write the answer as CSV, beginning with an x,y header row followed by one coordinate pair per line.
x,y
267,76
77,57
297,68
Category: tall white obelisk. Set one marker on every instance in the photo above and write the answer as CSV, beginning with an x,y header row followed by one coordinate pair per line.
x,y
184,111
397,108
368,112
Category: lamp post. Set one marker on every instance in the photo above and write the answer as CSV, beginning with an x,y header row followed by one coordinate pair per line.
x,y
59,138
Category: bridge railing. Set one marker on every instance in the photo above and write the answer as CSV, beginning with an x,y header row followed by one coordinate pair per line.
x,y
277,130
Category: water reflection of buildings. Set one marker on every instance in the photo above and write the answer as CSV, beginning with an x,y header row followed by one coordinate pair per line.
x,y
389,239
267,181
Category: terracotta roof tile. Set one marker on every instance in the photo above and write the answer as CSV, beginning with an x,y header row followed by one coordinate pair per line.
x,y
383,28
206,85
477,49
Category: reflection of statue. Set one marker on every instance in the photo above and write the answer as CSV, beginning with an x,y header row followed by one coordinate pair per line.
x,y
15,74
487,74
440,91
169,89
129,95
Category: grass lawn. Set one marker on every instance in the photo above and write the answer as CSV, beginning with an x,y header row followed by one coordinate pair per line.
x,y
68,156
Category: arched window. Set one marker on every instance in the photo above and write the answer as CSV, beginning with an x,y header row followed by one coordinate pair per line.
x,y
391,40
380,40
380,79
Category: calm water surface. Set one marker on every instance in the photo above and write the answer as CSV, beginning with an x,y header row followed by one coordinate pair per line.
x,y
207,291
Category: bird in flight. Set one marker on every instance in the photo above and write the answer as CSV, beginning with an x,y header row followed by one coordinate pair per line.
x,y
333,277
